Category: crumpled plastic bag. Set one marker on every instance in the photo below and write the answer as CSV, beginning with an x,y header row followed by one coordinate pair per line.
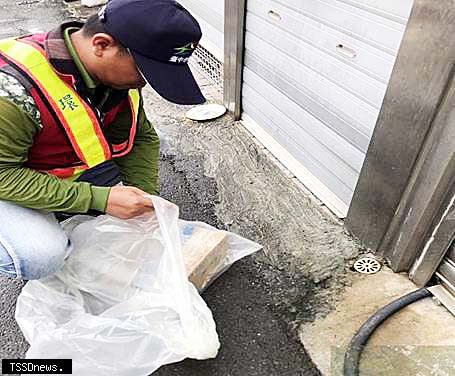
x,y
122,304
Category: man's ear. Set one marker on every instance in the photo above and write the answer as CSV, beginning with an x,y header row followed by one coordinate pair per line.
x,y
101,43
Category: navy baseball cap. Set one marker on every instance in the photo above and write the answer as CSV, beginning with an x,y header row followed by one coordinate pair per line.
x,y
161,36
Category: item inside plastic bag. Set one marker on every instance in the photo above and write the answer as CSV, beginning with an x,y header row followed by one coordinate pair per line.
x,y
122,304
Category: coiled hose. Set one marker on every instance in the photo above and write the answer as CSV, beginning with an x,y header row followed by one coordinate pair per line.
x,y
358,342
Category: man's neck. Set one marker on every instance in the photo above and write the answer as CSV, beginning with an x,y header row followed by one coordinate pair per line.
x,y
81,46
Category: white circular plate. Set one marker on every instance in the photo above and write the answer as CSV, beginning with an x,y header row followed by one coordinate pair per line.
x,y
206,112
367,265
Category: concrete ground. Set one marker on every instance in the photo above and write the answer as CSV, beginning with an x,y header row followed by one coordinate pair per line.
x,y
418,340
217,173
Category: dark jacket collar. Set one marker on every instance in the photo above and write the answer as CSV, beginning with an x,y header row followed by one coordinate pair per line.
x,y
57,52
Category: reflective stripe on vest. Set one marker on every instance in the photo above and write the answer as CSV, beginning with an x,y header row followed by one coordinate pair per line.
x,y
78,119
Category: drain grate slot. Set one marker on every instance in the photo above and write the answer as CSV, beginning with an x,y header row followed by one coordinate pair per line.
x,y
205,63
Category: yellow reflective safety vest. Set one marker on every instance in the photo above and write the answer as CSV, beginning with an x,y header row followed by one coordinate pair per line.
x,y
71,140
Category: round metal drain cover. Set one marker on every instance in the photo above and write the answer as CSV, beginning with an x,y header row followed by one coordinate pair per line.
x,y
367,265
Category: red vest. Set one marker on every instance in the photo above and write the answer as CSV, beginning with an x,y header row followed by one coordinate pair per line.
x,y
57,148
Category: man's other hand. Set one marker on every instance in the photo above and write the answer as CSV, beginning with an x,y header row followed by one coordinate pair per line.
x,y
127,202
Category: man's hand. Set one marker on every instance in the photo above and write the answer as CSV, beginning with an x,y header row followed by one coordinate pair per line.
x,y
127,202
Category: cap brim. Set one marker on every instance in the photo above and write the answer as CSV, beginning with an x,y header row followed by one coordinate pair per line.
x,y
172,81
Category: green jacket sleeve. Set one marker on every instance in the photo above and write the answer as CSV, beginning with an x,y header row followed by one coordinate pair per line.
x,y
31,188
139,168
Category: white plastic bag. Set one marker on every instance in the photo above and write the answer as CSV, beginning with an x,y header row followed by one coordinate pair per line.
x,y
122,304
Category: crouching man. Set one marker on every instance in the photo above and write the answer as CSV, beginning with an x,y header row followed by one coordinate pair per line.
x,y
72,123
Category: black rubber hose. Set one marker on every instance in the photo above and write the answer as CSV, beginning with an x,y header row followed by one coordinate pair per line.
x,y
358,342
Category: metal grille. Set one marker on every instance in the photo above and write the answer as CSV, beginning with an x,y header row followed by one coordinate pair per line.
x,y
208,66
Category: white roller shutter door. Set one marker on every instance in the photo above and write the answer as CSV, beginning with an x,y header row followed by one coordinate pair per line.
x,y
315,76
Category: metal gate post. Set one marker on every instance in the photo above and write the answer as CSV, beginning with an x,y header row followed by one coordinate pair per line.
x,y
234,36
